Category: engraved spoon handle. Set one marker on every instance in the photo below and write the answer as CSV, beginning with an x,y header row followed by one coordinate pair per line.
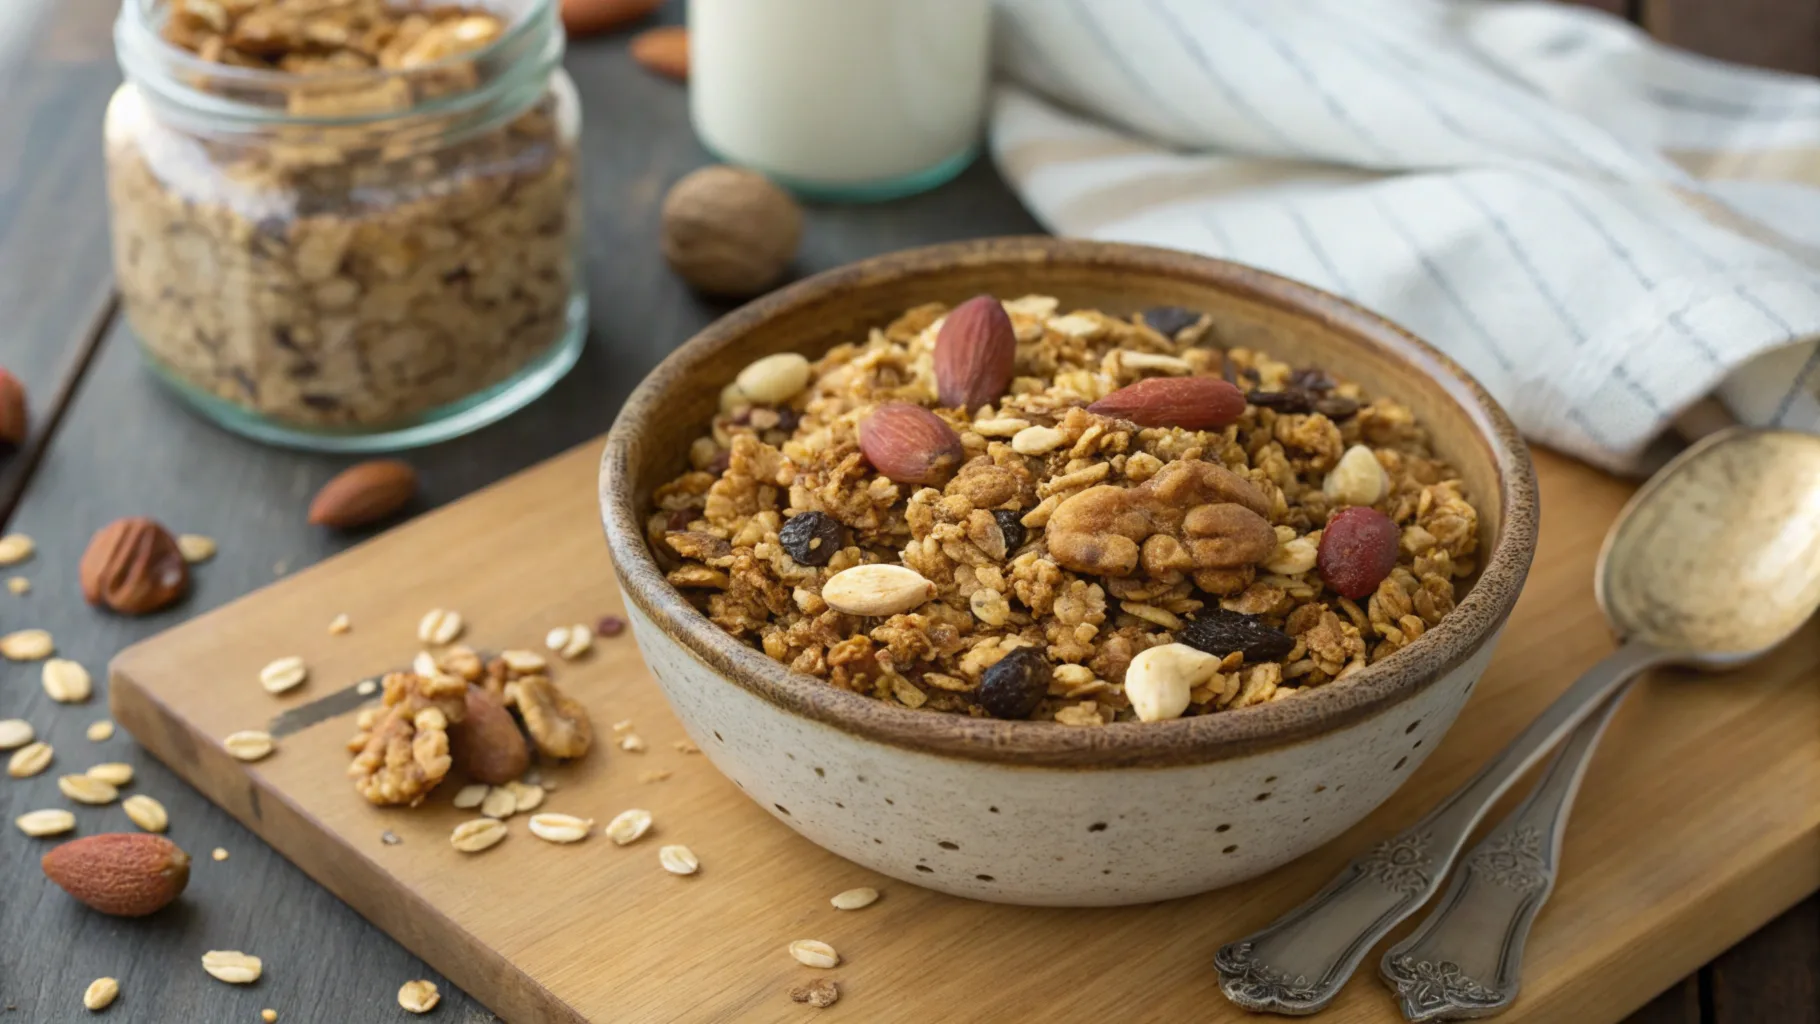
x,y
1465,960
1298,963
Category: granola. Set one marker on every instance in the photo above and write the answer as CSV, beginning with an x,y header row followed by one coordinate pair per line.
x,y
346,260
1082,524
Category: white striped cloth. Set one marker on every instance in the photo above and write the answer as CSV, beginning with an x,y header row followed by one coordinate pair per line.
x,y
1603,230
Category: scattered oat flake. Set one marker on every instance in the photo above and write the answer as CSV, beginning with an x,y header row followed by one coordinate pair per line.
x,y
15,732
654,775
101,730
66,681
86,789
146,813
232,966
854,899
19,584
477,834
419,996
560,828
814,953
439,626
628,826
269,1016
499,803
633,743
16,548
27,645
623,725
339,624
469,797
678,860
195,547
29,760
820,993
50,822
248,744
219,854
389,838
283,675
367,687
570,641
523,661
114,773
686,747
524,797
100,994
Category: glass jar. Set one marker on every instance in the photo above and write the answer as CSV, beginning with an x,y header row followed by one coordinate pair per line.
x,y
342,257
851,100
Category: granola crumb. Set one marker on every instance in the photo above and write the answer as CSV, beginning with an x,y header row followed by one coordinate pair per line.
x,y
340,624
821,993
685,747
632,743
623,725
389,838
654,775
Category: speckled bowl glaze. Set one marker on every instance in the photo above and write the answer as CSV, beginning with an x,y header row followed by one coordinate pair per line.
x,y
1037,812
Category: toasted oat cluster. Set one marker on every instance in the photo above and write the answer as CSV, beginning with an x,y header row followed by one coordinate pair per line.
x,y
350,267
1004,510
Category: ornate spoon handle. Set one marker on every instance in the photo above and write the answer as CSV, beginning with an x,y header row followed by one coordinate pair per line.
x,y
1297,964
1465,960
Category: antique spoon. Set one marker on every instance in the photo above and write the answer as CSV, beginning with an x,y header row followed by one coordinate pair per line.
x,y
1711,564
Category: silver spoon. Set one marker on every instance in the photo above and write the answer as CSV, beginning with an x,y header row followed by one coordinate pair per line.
x,y
1713,563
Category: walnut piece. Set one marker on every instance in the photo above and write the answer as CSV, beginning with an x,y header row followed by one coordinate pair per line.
x,y
404,744
558,724
1192,517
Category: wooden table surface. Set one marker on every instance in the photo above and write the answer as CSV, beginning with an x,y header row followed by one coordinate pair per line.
x,y
107,442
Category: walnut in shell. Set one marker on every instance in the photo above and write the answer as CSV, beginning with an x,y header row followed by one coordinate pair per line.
x,y
729,231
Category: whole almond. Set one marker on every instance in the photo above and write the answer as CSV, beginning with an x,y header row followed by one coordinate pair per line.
x,y
974,353
363,493
909,444
127,874
134,567
876,590
1191,403
591,17
12,410
487,743
664,51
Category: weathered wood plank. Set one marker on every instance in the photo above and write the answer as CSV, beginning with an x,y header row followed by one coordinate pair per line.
x,y
1679,1005
1780,34
1774,975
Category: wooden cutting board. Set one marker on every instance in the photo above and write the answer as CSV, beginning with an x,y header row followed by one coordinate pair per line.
x,y
1699,821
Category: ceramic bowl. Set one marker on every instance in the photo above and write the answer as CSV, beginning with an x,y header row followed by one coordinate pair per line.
x,y
1038,812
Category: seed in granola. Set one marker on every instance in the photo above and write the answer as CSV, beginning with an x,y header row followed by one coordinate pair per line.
x,y
678,860
632,743
811,538
194,547
113,773
146,812
439,626
628,826
66,681
1010,523
1358,549
820,993
1220,632
100,994
774,378
470,796
27,645
477,834
86,789
908,444
232,966
1160,679
283,675
560,828
1016,684
51,822
1190,403
876,590
97,732
248,744
855,899
1357,479
419,996
29,760
15,732
340,624
1037,440
814,953
499,803
609,626
15,548
1169,321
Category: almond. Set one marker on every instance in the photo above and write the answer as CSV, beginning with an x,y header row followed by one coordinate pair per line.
x,y
876,590
127,874
12,410
1192,403
664,51
363,493
909,444
486,742
592,17
974,353
134,567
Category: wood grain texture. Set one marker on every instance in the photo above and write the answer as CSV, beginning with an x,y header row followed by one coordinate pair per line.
x,y
1654,887
1780,34
1774,975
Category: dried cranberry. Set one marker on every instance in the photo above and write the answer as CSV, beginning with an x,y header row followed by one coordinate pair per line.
x,y
811,538
1358,549
1221,632
609,625
1010,523
1170,321
1014,686
1288,400
1312,378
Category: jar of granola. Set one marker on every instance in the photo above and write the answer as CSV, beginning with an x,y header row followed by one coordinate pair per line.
x,y
347,224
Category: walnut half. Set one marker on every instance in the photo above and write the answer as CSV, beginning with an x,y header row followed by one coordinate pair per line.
x,y
402,750
558,724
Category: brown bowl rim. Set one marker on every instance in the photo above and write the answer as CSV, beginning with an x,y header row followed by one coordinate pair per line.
x,y
1227,734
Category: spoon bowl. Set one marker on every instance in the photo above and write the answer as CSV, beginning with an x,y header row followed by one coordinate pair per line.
x,y
1717,559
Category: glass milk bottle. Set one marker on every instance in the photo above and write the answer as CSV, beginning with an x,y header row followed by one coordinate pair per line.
x,y
841,99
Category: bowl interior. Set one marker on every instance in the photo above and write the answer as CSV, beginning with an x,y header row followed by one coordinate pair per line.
x,y
1293,322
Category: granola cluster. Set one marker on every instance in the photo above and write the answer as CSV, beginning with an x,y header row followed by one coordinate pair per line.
x,y
1259,528
351,260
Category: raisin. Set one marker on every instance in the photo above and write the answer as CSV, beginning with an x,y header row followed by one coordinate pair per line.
x,y
1312,378
1288,400
1014,686
811,538
1221,632
1337,408
1010,524
1358,549
1170,321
